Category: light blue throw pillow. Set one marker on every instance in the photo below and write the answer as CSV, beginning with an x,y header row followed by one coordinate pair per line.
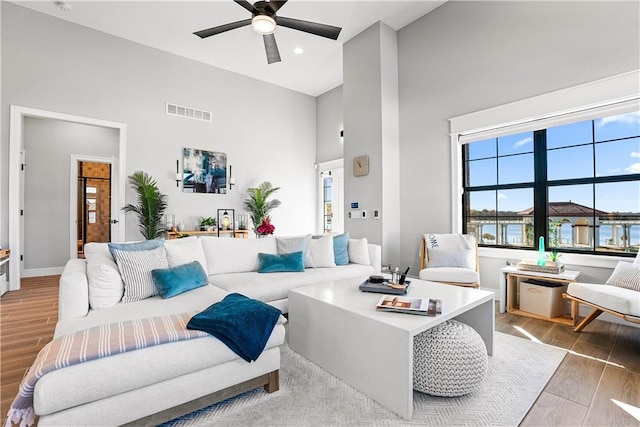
x,y
145,245
176,280
273,263
341,249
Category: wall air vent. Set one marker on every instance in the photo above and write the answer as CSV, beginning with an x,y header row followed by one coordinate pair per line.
x,y
188,112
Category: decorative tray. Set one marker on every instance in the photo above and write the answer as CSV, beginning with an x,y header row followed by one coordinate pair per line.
x,y
531,265
384,288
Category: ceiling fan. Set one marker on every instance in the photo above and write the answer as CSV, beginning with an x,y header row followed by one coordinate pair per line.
x,y
265,21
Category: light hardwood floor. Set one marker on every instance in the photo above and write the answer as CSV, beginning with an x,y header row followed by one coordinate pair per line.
x,y
603,365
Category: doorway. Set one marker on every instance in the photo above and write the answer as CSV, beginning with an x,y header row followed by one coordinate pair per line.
x,y
93,219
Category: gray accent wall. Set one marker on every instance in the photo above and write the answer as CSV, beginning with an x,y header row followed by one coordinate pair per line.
x,y
49,145
329,122
268,132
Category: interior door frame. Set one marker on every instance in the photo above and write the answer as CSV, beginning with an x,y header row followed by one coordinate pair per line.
x,y
73,197
16,130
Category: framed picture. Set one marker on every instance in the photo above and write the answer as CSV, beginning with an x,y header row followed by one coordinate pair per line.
x,y
204,171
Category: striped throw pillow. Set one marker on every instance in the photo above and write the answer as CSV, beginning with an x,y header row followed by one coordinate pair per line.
x,y
135,268
626,275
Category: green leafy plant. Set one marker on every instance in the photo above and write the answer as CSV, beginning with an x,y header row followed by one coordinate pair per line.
x,y
258,205
208,221
150,207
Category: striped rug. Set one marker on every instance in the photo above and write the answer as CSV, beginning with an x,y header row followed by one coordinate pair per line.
x,y
309,396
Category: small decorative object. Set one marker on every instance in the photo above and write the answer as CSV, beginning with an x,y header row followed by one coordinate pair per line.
x,y
532,265
150,207
207,224
180,227
242,222
258,205
226,220
266,228
541,258
169,222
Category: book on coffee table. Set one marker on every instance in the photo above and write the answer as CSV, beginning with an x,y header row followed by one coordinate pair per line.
x,y
420,306
383,288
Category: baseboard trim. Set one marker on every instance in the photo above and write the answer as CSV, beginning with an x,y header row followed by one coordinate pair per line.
x,y
37,272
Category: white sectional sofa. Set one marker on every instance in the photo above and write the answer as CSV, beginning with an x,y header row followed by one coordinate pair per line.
x,y
148,384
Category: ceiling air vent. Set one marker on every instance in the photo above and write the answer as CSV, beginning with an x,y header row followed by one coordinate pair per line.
x,y
188,112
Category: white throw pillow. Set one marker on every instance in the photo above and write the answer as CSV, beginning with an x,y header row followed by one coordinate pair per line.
x,y
227,255
626,275
463,258
105,283
185,250
287,245
321,251
359,251
135,268
97,250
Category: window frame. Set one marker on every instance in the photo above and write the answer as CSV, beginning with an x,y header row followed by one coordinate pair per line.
x,y
614,95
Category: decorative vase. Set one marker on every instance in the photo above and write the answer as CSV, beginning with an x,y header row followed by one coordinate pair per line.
x,y
541,260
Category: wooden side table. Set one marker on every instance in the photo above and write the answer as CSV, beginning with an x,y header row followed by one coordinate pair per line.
x,y
510,279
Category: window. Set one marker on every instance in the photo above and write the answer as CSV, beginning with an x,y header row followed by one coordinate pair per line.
x,y
577,184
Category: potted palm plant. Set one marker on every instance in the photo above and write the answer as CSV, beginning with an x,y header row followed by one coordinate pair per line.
x,y
150,207
258,206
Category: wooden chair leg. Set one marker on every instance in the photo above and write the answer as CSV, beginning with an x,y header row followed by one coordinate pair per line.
x,y
575,311
274,382
595,313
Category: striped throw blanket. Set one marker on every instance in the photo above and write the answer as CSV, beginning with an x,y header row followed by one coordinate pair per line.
x,y
94,343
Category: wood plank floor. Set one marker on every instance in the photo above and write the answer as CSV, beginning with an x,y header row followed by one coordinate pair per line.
x,y
602,368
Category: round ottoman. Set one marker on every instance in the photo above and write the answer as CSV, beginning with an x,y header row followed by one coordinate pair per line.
x,y
448,360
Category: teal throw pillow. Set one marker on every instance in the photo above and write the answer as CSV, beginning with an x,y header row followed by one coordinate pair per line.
x,y
176,280
145,245
273,263
341,249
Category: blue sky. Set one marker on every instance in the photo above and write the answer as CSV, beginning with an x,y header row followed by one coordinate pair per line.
x,y
563,162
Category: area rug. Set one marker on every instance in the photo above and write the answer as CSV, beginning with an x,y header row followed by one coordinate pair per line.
x,y
309,396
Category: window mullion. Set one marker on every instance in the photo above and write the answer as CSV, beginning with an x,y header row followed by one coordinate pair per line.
x,y
540,193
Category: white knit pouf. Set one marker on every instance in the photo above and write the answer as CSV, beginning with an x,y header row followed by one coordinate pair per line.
x,y
449,360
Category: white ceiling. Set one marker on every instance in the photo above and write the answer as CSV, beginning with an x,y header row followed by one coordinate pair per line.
x,y
169,26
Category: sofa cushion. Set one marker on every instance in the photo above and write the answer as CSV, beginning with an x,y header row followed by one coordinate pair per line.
x,y
359,251
144,245
341,249
273,263
614,298
321,250
173,281
626,275
135,268
275,286
450,274
185,250
287,245
226,255
105,283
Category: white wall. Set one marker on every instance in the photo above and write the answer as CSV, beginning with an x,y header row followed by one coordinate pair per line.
x,y
468,56
53,65
330,145
48,146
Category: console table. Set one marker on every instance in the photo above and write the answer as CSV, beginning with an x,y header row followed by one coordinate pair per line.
x,y
509,280
242,234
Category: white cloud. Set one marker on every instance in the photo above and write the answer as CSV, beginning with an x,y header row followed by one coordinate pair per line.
x,y
504,196
634,168
525,141
635,154
627,119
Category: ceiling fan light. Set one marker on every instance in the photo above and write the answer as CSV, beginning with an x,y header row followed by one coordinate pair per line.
x,y
263,24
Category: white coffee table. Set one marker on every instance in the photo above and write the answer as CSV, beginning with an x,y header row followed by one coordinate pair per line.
x,y
337,327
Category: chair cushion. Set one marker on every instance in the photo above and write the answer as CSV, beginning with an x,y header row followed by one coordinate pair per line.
x,y
614,298
450,274
625,275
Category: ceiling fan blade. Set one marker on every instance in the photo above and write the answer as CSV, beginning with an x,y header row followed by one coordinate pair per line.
x,y
321,30
222,28
246,5
271,47
276,5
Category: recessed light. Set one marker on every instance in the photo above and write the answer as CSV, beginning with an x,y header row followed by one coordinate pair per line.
x,y
298,51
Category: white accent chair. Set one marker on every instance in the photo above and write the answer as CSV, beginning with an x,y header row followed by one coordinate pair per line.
x,y
619,296
450,259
